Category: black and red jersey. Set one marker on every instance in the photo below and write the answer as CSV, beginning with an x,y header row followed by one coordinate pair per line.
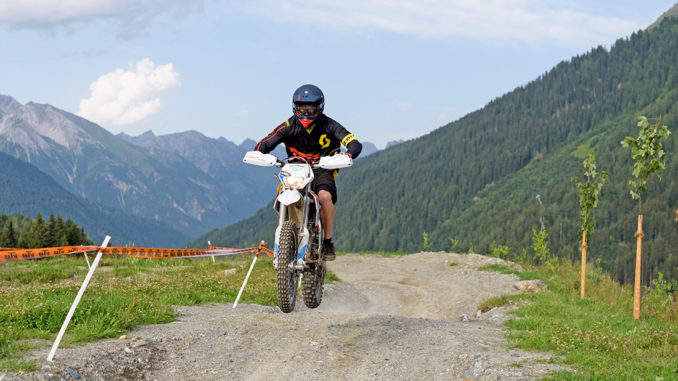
x,y
323,139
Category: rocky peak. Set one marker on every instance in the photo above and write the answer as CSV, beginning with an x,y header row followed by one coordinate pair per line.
x,y
8,104
52,123
147,139
248,144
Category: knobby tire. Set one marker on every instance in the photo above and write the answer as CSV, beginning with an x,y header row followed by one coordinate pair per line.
x,y
312,285
287,279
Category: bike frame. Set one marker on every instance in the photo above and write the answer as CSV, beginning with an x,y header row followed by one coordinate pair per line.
x,y
286,199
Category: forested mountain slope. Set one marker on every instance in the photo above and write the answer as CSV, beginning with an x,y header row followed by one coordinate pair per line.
x,y
475,180
27,191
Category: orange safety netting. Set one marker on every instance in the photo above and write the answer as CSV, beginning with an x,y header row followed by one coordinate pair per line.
x,y
13,255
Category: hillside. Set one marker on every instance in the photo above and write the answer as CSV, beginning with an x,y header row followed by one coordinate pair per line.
x,y
27,191
476,179
673,12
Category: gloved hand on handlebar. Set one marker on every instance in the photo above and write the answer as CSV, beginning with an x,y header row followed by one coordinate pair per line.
x,y
336,161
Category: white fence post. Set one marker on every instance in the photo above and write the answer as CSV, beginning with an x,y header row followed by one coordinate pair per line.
x,y
245,282
77,300
210,244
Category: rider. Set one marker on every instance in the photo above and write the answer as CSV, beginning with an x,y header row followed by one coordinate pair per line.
x,y
309,133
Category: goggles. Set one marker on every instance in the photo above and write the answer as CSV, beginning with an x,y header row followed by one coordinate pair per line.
x,y
306,108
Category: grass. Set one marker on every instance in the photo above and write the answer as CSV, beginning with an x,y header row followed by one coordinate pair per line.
x,y
597,335
35,297
498,301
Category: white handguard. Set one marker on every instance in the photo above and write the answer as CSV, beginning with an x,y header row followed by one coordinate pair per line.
x,y
340,160
260,159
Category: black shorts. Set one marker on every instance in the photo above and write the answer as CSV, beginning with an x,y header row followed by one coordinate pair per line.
x,y
324,179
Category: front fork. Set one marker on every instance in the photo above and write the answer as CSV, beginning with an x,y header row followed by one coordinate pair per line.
x,y
304,235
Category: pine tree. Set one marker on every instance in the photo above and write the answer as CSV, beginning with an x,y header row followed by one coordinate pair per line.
x,y
51,236
3,238
39,232
11,235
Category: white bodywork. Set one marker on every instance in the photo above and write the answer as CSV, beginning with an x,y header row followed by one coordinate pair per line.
x,y
294,177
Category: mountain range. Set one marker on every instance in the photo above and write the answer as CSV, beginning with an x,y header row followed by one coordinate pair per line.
x,y
489,179
185,181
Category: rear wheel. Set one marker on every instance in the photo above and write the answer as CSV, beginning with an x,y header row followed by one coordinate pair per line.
x,y
287,277
312,285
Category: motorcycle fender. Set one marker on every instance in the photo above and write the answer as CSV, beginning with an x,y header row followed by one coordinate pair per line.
x,y
289,197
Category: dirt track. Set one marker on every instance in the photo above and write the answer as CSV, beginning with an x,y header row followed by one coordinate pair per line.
x,y
400,318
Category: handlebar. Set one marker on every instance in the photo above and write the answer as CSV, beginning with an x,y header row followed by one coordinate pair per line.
x,y
326,162
282,162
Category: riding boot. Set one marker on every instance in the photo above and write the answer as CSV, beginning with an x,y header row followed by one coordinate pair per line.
x,y
328,249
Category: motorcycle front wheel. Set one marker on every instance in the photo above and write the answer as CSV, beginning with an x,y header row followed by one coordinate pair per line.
x,y
287,277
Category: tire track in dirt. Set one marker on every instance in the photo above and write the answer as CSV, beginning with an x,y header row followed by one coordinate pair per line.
x,y
397,318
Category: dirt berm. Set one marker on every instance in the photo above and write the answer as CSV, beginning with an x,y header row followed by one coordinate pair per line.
x,y
411,317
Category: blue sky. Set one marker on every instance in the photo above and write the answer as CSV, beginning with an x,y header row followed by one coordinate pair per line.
x,y
389,69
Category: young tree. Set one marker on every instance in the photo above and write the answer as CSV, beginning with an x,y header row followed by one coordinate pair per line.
x,y
540,245
647,152
589,192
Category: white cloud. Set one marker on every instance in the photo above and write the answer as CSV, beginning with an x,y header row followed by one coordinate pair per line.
x,y
244,113
131,15
124,97
51,11
528,21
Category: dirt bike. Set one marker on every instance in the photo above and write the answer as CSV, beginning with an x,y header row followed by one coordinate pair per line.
x,y
299,235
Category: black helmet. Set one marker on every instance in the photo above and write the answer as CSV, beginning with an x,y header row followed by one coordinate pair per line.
x,y
308,95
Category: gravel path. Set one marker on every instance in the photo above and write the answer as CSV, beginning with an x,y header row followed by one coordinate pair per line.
x,y
402,318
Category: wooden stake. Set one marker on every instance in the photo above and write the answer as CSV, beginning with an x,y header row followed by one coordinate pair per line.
x,y
583,264
636,289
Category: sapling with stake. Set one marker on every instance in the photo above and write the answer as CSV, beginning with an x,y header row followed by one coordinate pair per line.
x,y
647,152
